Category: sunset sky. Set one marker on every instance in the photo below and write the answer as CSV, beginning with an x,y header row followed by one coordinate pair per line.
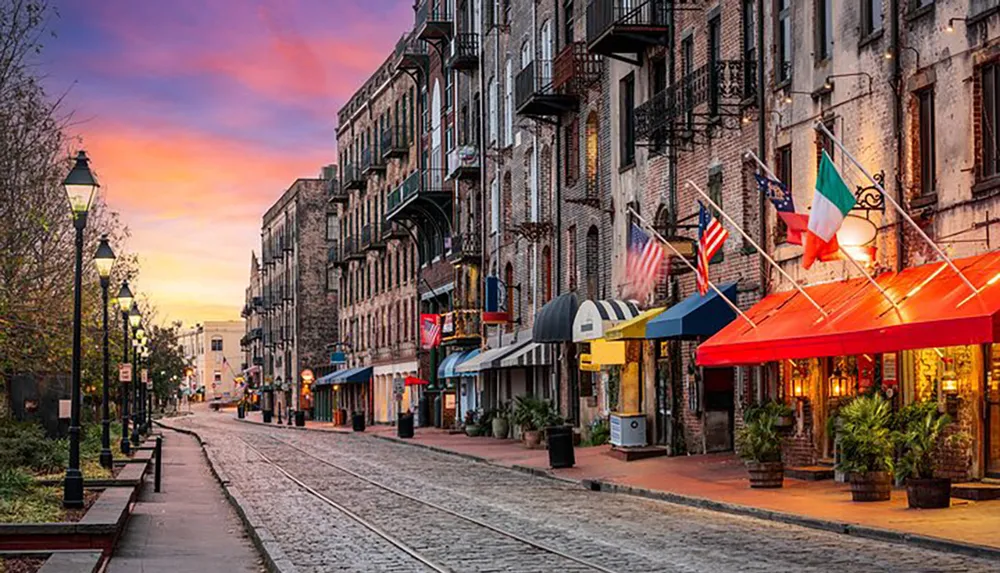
x,y
199,115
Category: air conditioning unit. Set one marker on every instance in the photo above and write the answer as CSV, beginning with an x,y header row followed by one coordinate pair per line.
x,y
628,430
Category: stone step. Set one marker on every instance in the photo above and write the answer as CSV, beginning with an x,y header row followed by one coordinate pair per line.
x,y
809,473
976,491
631,454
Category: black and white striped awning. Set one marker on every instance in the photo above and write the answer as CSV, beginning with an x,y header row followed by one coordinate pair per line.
x,y
594,317
532,354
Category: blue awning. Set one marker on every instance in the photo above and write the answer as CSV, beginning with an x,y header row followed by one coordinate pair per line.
x,y
326,379
357,375
696,316
466,357
447,367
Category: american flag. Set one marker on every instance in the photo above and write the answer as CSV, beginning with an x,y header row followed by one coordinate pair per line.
x,y
645,255
430,330
711,236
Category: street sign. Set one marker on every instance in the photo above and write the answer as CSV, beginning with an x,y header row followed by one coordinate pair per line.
x,y
124,372
398,386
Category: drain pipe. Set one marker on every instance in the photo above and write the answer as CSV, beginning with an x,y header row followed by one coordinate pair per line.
x,y
761,144
897,124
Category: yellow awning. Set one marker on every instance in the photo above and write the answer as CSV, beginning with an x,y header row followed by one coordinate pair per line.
x,y
634,329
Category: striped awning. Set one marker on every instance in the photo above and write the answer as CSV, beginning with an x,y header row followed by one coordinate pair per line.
x,y
532,354
594,317
448,366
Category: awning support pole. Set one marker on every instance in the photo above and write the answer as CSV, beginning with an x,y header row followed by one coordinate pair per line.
x,y
750,240
857,266
677,254
889,199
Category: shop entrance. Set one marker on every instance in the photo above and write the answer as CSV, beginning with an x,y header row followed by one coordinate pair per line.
x,y
719,409
993,428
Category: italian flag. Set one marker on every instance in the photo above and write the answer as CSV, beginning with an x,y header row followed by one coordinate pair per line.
x,y
831,204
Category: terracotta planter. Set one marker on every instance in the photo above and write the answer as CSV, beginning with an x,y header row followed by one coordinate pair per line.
x,y
928,493
500,428
766,474
471,430
532,438
871,486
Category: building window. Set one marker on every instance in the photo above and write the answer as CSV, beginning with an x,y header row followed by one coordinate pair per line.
x,y
783,33
593,264
925,100
508,106
572,147
492,118
626,120
217,345
871,17
824,143
784,173
989,129
687,71
824,29
714,56
331,280
569,20
332,227
749,47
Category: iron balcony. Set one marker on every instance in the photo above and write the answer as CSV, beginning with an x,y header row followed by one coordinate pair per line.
x,y
395,142
465,54
628,26
547,88
433,20
352,178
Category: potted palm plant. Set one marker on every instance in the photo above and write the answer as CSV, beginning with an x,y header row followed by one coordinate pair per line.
x,y
472,423
759,444
525,418
866,447
500,423
919,429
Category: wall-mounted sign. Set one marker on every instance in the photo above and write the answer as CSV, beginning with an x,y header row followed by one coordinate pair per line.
x,y
495,309
124,372
337,358
890,376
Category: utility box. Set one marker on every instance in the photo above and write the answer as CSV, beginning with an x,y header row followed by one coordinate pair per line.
x,y
628,430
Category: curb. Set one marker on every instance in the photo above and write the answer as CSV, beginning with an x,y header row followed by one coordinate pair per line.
x,y
263,540
843,528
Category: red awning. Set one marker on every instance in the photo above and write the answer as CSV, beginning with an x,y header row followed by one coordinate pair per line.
x,y
937,309
414,381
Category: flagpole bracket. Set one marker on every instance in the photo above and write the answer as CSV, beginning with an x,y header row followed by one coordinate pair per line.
x,y
869,198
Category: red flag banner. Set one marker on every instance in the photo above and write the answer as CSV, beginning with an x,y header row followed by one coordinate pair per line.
x,y
430,331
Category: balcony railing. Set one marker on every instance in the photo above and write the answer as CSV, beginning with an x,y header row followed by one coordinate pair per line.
x,y
286,333
393,231
352,177
371,237
258,360
460,326
434,20
466,247
408,188
463,162
465,56
698,103
257,302
335,193
353,249
255,334
575,69
372,161
335,254
628,26
395,142
411,53
540,90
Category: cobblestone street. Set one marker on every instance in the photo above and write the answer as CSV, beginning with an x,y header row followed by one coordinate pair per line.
x,y
470,516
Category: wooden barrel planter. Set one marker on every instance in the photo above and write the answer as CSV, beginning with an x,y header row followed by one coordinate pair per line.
x,y
766,474
928,493
871,486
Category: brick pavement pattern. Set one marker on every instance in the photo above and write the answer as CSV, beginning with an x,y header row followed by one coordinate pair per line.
x,y
620,533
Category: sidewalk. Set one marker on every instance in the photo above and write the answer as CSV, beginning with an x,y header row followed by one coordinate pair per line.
x,y
719,481
189,526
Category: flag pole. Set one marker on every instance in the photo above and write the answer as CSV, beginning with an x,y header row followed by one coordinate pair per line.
x,y
857,266
818,126
678,254
750,240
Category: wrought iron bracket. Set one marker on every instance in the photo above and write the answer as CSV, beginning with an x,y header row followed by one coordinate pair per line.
x,y
870,198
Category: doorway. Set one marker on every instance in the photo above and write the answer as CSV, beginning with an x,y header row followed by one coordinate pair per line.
x,y
719,409
993,420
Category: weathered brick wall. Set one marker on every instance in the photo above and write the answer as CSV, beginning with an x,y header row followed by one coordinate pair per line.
x,y
316,306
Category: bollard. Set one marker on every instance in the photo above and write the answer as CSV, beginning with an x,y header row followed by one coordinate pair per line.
x,y
159,464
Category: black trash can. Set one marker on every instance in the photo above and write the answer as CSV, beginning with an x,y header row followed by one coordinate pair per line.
x,y
241,412
438,404
404,427
358,421
267,414
300,418
425,411
560,440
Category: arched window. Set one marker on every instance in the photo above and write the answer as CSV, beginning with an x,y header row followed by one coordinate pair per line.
x,y
593,131
545,50
593,264
525,54
547,274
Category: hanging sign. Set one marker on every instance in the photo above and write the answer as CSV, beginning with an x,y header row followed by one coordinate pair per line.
x,y
495,309
890,375
337,357
124,372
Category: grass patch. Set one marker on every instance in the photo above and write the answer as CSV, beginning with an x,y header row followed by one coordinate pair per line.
x,y
21,501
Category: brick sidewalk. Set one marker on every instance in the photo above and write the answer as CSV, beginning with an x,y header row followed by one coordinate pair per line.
x,y
721,479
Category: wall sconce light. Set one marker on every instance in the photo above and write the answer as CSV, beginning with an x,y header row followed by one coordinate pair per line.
x,y
949,380
951,23
836,384
798,387
828,83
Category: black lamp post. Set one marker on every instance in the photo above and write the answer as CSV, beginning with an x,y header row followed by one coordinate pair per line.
x,y
80,186
135,321
104,259
143,367
125,304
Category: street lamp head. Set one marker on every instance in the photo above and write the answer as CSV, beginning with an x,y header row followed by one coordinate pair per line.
x,y
139,333
125,297
80,185
104,259
134,316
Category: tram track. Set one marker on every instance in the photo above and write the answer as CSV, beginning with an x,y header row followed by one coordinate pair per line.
x,y
440,548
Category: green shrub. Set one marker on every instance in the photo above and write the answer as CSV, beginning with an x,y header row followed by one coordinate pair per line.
x,y
600,432
24,445
14,482
866,443
758,440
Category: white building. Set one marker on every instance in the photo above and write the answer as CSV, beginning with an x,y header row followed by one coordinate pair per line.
x,y
212,351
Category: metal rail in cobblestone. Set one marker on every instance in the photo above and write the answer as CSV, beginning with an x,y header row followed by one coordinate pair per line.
x,y
357,518
442,509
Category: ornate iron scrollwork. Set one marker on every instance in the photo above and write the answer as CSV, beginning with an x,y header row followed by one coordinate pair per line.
x,y
870,198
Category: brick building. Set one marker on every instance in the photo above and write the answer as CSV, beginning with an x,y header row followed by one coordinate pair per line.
x,y
253,320
299,302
